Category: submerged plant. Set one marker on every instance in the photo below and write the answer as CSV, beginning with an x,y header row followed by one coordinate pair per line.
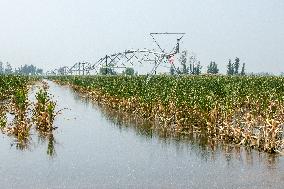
x,y
14,102
21,103
3,120
21,125
44,112
51,145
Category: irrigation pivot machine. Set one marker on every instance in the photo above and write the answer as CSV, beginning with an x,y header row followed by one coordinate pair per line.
x,y
153,59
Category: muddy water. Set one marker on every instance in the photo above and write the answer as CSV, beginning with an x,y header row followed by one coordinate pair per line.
x,y
97,148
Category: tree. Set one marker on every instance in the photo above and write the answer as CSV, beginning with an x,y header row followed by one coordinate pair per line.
x,y
230,68
8,69
183,62
30,70
61,71
236,66
189,64
243,69
194,65
39,71
196,68
172,70
178,71
1,68
107,71
212,68
128,71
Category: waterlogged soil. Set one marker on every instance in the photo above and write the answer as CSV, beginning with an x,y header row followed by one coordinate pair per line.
x,y
94,147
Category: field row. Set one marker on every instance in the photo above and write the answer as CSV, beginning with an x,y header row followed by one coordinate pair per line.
x,y
18,115
244,110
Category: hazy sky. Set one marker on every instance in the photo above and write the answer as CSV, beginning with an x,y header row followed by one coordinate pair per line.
x,y
50,33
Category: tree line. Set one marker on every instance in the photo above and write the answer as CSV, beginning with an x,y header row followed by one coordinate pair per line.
x,y
22,70
188,64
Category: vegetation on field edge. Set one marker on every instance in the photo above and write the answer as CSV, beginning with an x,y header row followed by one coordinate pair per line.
x,y
243,110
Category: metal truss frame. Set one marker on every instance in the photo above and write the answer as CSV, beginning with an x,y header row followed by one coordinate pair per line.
x,y
126,59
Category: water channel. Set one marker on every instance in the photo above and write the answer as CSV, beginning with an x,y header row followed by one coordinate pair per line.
x,y
94,148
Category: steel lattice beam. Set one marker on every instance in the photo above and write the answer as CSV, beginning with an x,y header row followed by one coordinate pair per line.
x,y
125,59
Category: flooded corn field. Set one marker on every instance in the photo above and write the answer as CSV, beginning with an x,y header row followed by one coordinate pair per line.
x,y
141,94
94,147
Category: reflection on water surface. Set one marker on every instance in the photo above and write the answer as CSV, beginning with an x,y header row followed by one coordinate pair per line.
x,y
95,147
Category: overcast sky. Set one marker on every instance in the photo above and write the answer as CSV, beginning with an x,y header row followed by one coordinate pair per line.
x,y
52,33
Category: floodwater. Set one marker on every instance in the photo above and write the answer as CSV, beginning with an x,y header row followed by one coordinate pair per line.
x,y
97,148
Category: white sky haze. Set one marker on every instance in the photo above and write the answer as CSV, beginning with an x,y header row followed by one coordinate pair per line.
x,y
53,33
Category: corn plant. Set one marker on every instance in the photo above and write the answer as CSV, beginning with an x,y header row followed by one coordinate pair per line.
x,y
244,110
44,112
13,99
